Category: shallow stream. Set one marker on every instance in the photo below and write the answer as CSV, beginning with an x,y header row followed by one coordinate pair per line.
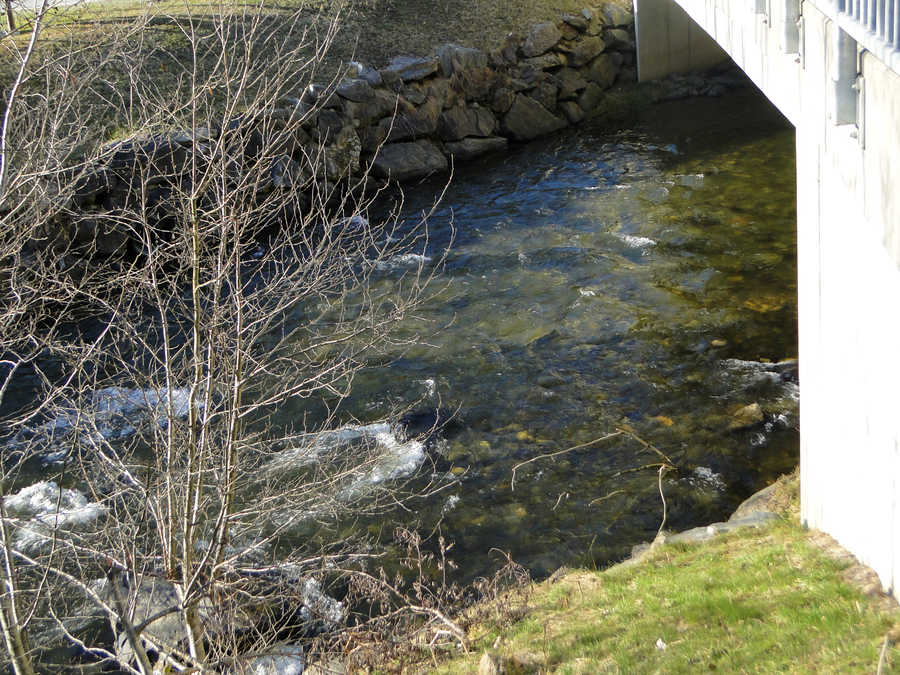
x,y
641,279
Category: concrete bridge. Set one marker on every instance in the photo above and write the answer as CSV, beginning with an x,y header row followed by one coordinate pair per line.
x,y
833,68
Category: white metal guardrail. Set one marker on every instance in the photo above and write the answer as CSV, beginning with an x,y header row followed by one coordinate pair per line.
x,y
874,24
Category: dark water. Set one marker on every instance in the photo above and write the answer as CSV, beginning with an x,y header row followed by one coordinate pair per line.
x,y
641,279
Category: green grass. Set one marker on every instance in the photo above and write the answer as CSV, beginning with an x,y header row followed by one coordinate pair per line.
x,y
755,601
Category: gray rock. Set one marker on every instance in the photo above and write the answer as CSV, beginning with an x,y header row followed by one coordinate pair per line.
x,y
546,61
411,68
545,94
421,122
456,58
578,21
461,121
755,503
602,71
503,100
528,119
618,38
587,13
383,103
470,148
331,667
405,161
356,89
614,15
286,173
541,39
705,533
572,111
585,51
367,73
414,94
570,82
330,124
590,98
282,659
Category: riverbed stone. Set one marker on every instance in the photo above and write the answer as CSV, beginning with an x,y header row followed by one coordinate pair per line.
x,y
470,148
541,39
528,119
585,51
411,68
745,417
601,71
405,161
461,121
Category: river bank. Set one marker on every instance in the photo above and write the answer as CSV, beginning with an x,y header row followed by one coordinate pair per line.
x,y
757,594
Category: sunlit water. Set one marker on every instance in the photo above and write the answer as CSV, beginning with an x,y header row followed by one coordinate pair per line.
x,y
641,279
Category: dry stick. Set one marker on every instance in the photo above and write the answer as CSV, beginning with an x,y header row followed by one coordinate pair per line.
x,y
662,470
882,659
512,482
648,446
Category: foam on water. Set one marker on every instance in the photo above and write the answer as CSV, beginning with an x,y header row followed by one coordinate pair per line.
x,y
402,261
111,413
47,509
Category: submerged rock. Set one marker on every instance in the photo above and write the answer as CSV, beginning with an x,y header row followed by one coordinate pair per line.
x,y
748,416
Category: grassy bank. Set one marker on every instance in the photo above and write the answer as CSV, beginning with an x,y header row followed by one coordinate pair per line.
x,y
776,599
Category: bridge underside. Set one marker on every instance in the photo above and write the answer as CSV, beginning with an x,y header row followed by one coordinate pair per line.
x,y
845,104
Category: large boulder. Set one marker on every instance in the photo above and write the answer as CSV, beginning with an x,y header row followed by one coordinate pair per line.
x,y
405,161
528,119
542,38
456,58
410,68
417,124
570,82
586,50
602,71
470,148
354,89
461,121
614,15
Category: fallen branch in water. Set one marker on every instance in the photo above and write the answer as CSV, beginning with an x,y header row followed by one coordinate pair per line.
x,y
512,482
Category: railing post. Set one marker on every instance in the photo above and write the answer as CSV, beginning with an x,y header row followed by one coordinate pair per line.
x,y
843,76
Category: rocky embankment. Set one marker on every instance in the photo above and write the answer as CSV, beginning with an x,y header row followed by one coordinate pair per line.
x,y
412,118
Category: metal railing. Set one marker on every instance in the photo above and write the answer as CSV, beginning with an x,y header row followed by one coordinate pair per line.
x,y
880,17
874,24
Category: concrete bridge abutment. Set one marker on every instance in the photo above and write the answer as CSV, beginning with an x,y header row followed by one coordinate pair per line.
x,y
836,76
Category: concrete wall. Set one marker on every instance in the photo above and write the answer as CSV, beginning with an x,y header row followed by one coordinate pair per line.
x,y
848,180
670,42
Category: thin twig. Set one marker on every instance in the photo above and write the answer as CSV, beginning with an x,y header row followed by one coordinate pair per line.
x,y
512,482
882,659
662,470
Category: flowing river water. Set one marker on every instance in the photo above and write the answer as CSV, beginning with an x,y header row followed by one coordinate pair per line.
x,y
642,279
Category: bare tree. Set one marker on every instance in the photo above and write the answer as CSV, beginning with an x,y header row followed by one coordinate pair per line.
x,y
171,294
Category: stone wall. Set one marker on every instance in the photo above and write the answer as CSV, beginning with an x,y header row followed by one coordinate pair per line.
x,y
405,121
